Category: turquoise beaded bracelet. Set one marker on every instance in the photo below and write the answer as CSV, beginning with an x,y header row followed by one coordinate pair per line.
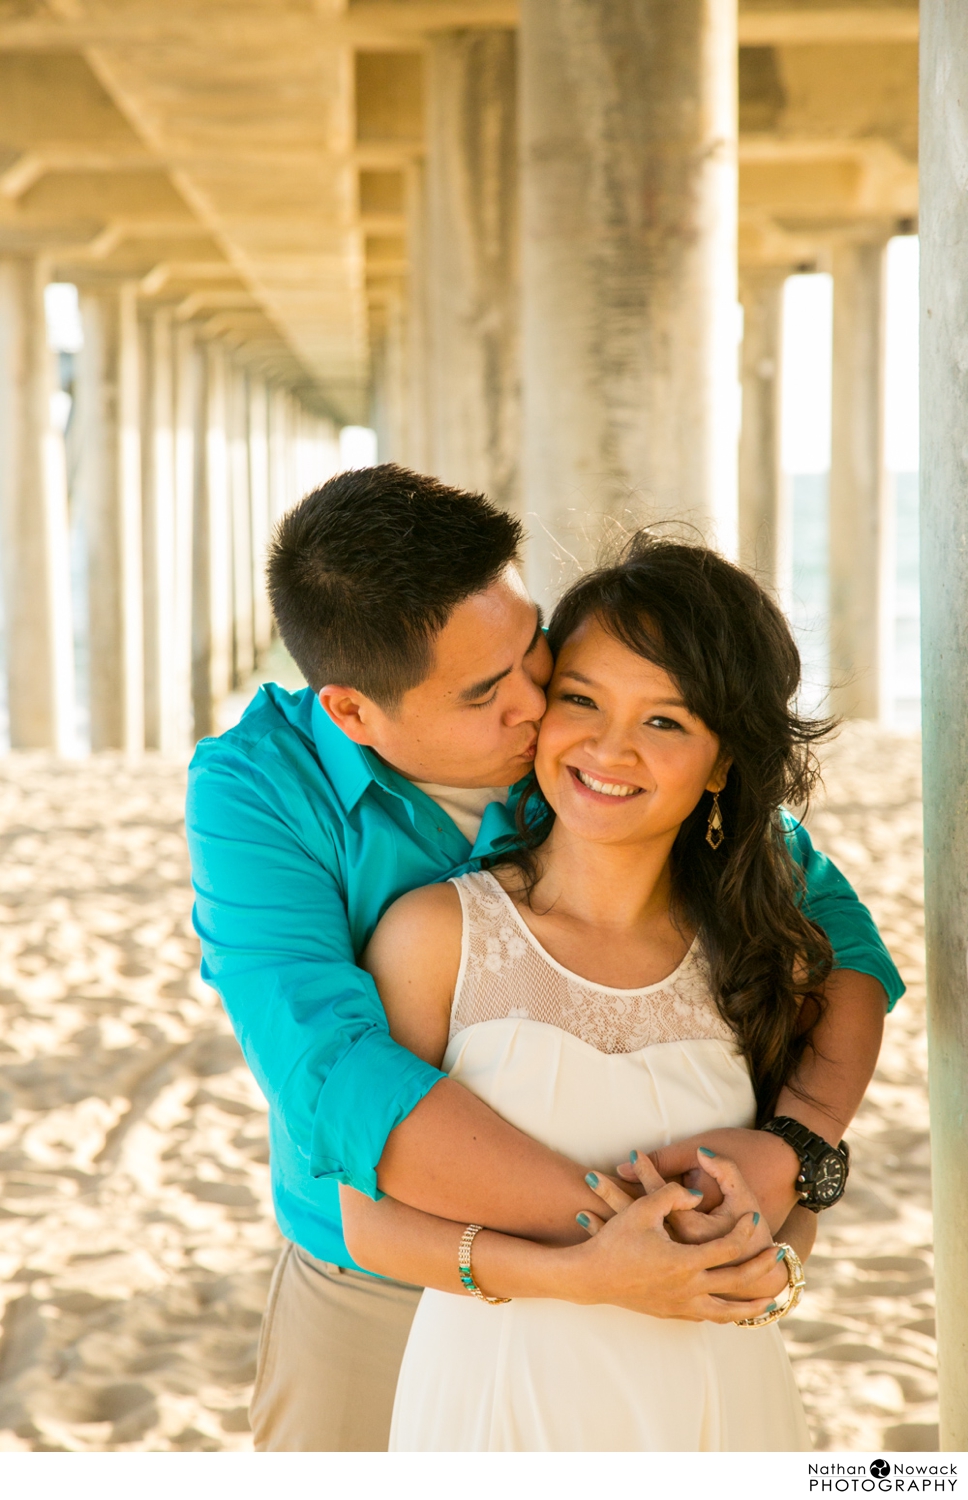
x,y
464,1266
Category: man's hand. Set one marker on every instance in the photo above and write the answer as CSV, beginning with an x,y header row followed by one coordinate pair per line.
x,y
768,1166
824,1096
736,1199
721,1281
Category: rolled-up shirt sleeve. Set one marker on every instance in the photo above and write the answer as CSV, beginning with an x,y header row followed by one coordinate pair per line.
x,y
831,901
276,945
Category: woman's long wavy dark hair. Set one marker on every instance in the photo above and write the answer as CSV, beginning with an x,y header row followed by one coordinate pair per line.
x,y
729,650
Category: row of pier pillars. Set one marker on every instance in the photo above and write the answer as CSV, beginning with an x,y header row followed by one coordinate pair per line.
x,y
567,337
144,524
564,335
178,458
861,559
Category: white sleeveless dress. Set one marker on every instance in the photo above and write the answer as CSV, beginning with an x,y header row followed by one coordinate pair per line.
x,y
590,1071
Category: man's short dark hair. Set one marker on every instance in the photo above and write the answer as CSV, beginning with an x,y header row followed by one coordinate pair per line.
x,y
365,571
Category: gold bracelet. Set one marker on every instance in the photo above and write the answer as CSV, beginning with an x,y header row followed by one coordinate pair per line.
x,y
795,1285
464,1266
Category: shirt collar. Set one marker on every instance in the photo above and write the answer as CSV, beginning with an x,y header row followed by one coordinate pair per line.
x,y
352,768
497,831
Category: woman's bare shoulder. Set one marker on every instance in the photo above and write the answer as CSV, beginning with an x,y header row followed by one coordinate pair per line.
x,y
431,912
414,957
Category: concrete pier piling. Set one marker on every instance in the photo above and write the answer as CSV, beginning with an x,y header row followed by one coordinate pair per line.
x,y
33,520
109,483
763,528
629,337
860,522
944,654
158,535
471,276
212,615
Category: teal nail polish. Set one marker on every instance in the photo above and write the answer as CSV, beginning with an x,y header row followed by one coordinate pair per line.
x,y
756,1220
696,1192
592,1179
584,1221
633,1156
705,1151
772,1307
781,1253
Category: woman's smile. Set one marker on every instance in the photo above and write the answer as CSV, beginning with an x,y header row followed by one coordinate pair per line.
x,y
604,789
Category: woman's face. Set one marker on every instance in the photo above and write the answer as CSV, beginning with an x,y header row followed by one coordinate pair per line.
x,y
620,758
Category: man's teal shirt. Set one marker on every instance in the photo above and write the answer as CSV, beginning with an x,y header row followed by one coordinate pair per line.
x,y
299,841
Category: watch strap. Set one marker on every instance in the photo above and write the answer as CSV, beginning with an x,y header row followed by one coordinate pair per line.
x,y
805,1142
811,1148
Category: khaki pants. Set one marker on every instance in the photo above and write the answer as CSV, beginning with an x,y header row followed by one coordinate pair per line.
x,y
331,1345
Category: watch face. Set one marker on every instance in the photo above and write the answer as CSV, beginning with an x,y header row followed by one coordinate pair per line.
x,y
828,1185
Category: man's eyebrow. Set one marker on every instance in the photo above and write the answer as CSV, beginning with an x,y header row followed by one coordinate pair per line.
x,y
482,688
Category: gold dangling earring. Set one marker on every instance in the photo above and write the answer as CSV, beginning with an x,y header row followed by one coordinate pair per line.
x,y
714,828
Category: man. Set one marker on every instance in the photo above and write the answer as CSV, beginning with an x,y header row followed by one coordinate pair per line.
x,y
400,600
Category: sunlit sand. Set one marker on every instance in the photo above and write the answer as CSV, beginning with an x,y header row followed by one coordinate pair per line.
x,y
136,1236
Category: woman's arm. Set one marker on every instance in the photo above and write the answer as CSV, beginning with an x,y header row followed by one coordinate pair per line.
x,y
632,1261
414,956
824,1095
799,1229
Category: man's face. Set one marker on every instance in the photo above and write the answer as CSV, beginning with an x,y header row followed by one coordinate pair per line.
x,y
474,721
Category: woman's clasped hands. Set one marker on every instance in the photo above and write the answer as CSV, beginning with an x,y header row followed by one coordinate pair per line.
x,y
735,1274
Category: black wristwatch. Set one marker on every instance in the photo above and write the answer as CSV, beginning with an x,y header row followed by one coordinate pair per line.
x,y
823,1168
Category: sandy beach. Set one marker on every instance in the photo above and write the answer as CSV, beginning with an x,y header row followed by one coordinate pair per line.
x,y
136,1235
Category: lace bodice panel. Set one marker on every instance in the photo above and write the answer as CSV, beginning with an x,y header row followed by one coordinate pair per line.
x,y
505,972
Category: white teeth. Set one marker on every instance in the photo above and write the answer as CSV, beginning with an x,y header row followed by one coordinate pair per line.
x,y
606,787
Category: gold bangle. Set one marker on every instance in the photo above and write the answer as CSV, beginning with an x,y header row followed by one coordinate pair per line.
x,y
464,1266
795,1285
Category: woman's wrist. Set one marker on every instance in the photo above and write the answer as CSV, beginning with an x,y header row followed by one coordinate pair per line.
x,y
799,1229
505,1266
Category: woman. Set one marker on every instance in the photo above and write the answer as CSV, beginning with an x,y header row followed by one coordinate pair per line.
x,y
639,972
